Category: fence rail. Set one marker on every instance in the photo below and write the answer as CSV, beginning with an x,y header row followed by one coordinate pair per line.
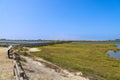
x,y
19,73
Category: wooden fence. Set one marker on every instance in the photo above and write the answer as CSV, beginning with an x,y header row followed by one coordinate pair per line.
x,y
18,71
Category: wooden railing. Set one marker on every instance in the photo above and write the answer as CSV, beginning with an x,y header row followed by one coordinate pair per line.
x,y
19,73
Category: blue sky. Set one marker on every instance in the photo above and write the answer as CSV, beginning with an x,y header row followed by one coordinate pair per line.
x,y
60,19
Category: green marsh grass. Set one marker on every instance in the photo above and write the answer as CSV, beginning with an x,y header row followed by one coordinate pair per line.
x,y
91,59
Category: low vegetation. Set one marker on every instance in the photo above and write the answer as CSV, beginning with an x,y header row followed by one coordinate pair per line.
x,y
91,59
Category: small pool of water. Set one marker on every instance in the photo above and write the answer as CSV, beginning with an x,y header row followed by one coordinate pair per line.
x,y
118,45
114,54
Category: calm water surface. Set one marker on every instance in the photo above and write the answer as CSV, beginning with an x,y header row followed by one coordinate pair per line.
x,y
118,45
115,54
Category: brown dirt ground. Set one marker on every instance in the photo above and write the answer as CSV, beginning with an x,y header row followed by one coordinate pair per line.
x,y
6,65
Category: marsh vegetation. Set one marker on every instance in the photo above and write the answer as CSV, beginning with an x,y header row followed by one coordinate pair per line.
x,y
91,59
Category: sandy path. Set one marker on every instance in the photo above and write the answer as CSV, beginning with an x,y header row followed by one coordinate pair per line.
x,y
41,72
6,66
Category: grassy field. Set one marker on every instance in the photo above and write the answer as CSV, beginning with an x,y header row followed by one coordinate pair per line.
x,y
91,59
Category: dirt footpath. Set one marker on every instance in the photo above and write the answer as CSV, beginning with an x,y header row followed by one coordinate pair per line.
x,y
6,66
35,70
41,72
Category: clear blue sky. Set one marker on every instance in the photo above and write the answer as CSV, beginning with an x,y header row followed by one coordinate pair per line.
x,y
60,19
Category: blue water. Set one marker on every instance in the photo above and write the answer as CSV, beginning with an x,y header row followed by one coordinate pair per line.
x,y
118,45
115,54
17,42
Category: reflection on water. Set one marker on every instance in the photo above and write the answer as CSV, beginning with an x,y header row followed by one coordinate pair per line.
x,y
114,54
118,45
